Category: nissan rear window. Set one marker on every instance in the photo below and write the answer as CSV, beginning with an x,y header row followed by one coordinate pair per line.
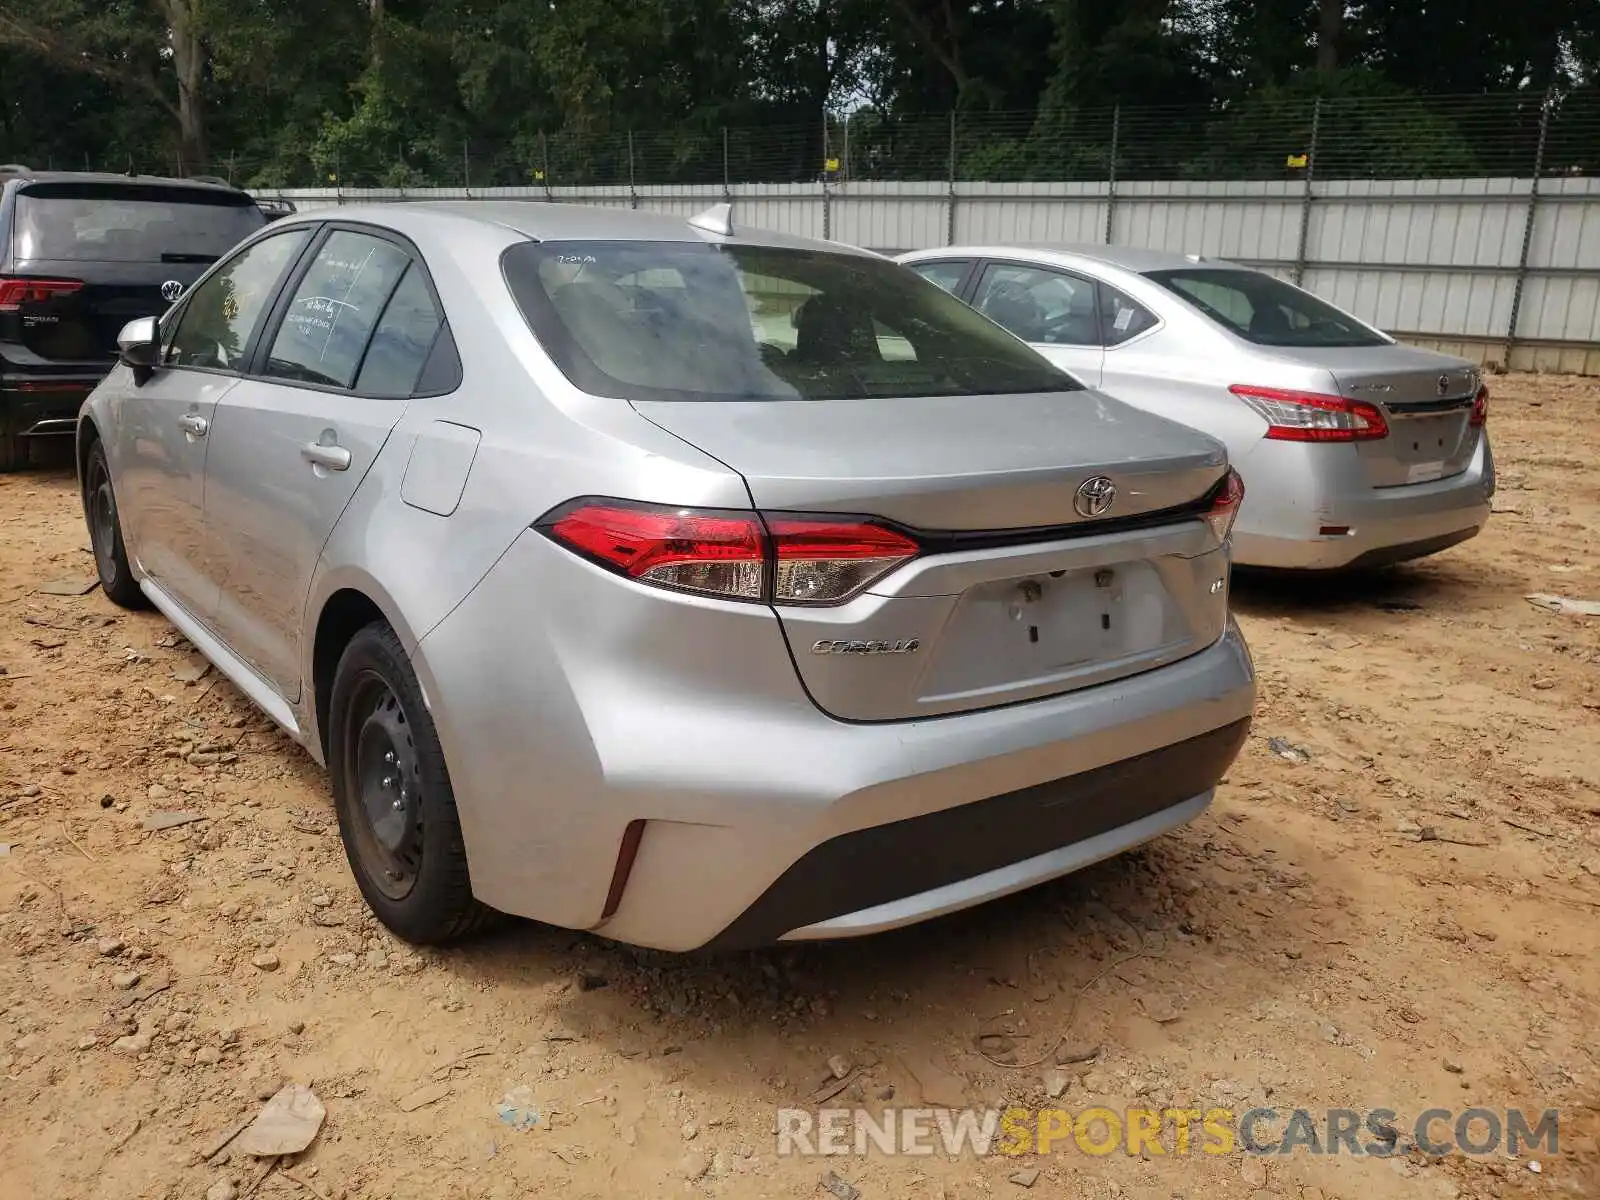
x,y
644,320
1265,310
78,222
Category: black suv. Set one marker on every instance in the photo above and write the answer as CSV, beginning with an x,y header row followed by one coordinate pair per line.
x,y
81,255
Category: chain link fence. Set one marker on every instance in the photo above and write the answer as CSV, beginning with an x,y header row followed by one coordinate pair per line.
x,y
1508,135
1263,137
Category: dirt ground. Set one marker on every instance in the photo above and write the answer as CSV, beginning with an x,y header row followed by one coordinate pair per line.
x,y
1410,919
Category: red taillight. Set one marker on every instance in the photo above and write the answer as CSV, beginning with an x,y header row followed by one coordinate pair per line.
x,y
1480,408
1312,417
822,561
14,293
1225,508
782,559
720,554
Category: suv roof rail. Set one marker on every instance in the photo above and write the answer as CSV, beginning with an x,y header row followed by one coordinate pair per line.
x,y
216,179
15,169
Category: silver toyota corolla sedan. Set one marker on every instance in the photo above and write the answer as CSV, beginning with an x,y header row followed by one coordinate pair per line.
x,y
1357,451
691,585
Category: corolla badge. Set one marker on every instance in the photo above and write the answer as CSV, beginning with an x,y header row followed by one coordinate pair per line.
x,y
848,646
1094,497
171,290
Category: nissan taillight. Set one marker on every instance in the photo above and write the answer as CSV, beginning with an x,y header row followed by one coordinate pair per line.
x,y
14,293
1293,416
1480,408
1225,504
780,558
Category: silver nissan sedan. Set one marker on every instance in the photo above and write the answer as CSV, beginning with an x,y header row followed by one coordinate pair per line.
x,y
693,585
1357,451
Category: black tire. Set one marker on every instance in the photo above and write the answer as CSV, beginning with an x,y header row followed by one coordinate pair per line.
x,y
105,532
13,453
397,813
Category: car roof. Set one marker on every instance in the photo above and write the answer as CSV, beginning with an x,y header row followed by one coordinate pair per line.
x,y
8,173
544,221
1128,258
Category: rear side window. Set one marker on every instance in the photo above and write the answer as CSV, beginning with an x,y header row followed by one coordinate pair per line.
x,y
402,341
1040,305
1265,310
1121,318
96,222
698,321
335,308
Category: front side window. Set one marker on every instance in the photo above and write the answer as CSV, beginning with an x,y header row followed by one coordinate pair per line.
x,y
696,321
1265,310
220,316
1039,305
335,307
947,275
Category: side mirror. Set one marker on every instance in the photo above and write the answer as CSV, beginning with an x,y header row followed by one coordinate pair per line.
x,y
137,346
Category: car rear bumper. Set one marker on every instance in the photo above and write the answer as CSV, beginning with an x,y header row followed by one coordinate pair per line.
x,y
764,819
39,404
1295,500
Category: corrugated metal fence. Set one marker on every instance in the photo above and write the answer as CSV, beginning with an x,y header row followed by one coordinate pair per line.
x,y
1504,271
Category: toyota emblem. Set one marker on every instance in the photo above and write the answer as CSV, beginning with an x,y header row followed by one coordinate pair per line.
x,y
1094,497
171,290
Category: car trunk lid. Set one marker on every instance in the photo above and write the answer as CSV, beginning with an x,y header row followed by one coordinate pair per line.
x,y
1017,594
1426,399
80,324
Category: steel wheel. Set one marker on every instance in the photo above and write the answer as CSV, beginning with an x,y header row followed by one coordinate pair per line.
x,y
102,511
382,763
105,532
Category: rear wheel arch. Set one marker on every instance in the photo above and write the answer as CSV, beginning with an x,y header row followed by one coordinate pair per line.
x,y
344,614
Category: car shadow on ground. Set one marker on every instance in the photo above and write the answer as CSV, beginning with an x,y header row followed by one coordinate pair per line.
x,y
1454,582
1086,959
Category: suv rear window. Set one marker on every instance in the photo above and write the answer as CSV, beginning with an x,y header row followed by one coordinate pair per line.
x,y
97,222
1265,310
695,321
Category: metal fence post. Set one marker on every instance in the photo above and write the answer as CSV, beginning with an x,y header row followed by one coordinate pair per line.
x,y
544,158
1306,196
633,193
827,208
950,201
1111,181
466,169
1528,220
727,176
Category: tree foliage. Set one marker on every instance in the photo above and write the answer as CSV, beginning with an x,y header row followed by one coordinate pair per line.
x,y
399,92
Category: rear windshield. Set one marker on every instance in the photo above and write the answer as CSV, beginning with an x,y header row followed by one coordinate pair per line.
x,y
696,321
77,222
1265,310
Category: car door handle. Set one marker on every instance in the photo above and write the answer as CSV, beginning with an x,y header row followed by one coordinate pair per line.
x,y
194,425
334,458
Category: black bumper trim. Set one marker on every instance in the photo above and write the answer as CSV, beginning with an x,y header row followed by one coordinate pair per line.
x,y
883,863
1388,556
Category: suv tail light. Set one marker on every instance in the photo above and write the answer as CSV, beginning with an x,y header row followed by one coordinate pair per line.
x,y
1225,508
14,293
1480,408
779,559
1311,417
